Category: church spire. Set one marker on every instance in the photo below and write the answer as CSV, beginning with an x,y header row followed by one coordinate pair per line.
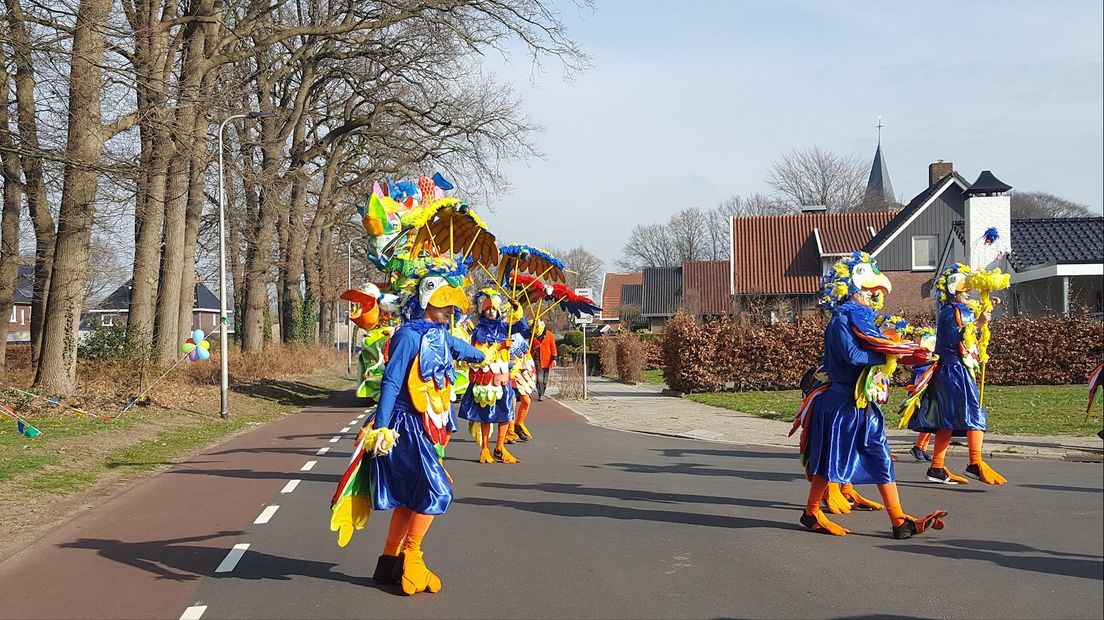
x,y
879,189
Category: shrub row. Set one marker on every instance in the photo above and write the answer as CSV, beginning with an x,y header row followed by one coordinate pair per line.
x,y
751,355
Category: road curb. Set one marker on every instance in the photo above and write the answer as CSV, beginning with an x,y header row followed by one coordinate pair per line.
x,y
1068,456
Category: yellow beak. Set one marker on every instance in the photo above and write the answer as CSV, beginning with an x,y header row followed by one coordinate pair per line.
x,y
876,281
450,296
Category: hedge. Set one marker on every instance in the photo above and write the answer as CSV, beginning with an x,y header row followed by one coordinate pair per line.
x,y
752,355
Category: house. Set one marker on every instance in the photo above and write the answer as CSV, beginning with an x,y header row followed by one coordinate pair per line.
x,y
113,310
19,323
614,289
1055,263
706,290
778,260
661,295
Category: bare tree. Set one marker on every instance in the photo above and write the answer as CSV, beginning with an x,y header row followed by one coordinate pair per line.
x,y
649,245
1026,205
13,196
581,268
813,176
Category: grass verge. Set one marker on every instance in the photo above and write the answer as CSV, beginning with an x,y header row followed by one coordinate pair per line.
x,y
1014,410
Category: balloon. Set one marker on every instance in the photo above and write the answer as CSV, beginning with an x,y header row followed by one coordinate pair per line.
x,y
197,348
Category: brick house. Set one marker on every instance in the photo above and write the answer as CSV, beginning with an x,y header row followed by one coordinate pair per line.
x,y
114,308
19,323
619,289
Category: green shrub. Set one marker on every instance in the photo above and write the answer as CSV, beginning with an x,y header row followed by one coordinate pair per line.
x,y
108,342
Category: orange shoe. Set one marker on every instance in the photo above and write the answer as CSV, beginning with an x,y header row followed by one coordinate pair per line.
x,y
416,577
817,522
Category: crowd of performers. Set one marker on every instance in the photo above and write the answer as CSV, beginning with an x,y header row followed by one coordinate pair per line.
x,y
843,441
452,325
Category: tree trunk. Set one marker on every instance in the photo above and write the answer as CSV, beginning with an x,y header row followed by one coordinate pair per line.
x,y
196,200
149,213
57,371
9,222
258,256
167,326
34,188
293,266
328,310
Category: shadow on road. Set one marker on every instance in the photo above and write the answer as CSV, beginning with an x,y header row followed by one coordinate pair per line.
x,y
702,469
174,560
294,393
637,495
741,454
573,509
1001,553
1062,488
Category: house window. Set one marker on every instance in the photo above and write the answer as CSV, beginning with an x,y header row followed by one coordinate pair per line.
x,y
925,249
12,319
107,320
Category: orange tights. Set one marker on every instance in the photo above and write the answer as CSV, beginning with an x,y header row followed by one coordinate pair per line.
x,y
407,530
974,441
890,498
523,408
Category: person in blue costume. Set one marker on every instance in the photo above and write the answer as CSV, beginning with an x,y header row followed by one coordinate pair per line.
x,y
413,412
845,441
951,403
490,396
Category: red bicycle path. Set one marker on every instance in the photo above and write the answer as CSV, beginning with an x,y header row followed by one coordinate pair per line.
x,y
98,564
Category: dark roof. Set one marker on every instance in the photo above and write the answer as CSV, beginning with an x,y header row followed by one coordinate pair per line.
x,y
662,291
24,285
878,186
986,183
1053,241
778,254
708,281
632,295
611,292
119,299
910,209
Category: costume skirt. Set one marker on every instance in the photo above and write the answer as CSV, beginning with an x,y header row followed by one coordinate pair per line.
x,y
847,444
952,401
501,412
411,475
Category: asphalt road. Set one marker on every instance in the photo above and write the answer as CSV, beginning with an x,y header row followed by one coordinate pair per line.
x,y
593,523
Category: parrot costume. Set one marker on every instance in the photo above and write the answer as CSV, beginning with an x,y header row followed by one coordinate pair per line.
x,y
397,464
843,438
948,403
489,398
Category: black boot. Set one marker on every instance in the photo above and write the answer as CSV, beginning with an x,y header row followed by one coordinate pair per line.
x,y
385,570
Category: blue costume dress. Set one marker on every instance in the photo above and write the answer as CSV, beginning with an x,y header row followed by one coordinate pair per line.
x,y
952,399
847,444
411,474
502,411
916,422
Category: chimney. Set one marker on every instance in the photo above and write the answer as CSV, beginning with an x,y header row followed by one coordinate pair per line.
x,y
988,208
810,209
938,170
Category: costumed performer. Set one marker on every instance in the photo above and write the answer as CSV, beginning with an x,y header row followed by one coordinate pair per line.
x,y
410,430
950,402
490,395
844,438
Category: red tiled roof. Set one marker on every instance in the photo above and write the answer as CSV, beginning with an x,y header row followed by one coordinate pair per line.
x,y
707,283
778,254
611,292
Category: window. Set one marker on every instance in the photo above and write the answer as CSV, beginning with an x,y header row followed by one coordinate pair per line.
x,y
12,319
107,320
925,250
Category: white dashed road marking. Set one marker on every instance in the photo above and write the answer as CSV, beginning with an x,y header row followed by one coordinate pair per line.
x,y
232,558
195,612
346,429
335,439
322,451
290,486
266,515
309,465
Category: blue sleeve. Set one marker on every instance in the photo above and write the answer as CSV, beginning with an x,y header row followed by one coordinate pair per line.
x,y
522,327
404,348
462,350
847,345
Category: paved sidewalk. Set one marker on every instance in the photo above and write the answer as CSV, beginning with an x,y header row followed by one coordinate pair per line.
x,y
643,408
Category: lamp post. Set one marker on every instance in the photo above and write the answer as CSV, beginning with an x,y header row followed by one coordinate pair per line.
x,y
224,368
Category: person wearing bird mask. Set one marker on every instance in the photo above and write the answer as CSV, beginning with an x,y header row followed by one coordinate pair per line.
x,y
844,439
490,396
402,449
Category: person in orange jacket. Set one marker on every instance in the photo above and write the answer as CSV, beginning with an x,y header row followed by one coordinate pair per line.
x,y
544,354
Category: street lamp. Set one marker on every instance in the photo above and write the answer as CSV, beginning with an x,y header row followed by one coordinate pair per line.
x,y
224,368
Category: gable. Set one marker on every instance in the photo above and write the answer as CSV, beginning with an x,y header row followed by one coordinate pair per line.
x,y
945,194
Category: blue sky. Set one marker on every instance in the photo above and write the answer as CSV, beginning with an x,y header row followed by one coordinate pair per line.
x,y
688,103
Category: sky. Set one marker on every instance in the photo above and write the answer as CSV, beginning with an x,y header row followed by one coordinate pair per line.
x,y
688,103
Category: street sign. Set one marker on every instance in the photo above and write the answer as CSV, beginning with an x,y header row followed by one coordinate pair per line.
x,y
586,319
585,292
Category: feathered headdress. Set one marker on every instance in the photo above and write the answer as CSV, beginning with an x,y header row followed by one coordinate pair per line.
x,y
950,281
837,285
